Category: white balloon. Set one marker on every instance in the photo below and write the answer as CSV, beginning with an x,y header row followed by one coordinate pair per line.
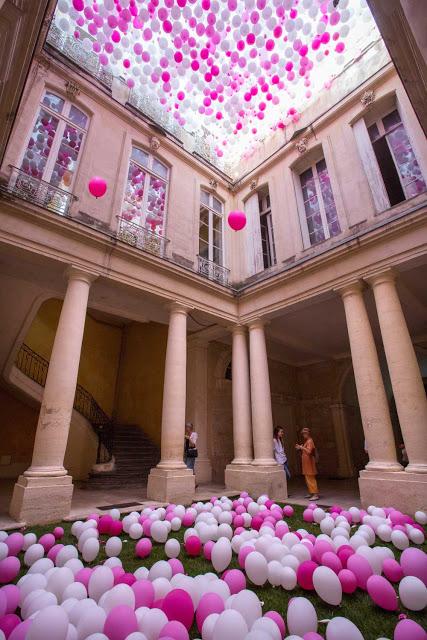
x,y
80,609
29,539
30,583
416,536
135,531
75,590
256,568
327,585
159,531
33,553
301,616
249,605
172,548
384,532
65,554
113,547
413,593
221,554
160,569
36,602
289,578
50,623
399,539
230,624
208,626
121,594
268,626
339,628
152,623
100,581
59,580
421,517
275,571
92,621
90,549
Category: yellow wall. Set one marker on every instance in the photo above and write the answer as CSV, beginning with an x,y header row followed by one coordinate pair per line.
x,y
18,428
100,356
141,377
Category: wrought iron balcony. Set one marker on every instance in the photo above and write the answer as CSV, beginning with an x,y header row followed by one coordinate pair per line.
x,y
38,192
141,238
213,271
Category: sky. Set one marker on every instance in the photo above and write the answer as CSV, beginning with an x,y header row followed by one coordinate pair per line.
x,y
228,71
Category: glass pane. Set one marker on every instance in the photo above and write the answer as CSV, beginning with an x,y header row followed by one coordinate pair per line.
x,y
160,169
328,198
204,232
312,208
204,197
53,102
265,243
409,169
216,204
78,117
132,203
204,215
140,156
203,249
374,133
66,161
217,255
156,205
39,144
391,120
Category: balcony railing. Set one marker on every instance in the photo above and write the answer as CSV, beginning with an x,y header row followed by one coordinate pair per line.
x,y
141,238
213,271
36,367
38,192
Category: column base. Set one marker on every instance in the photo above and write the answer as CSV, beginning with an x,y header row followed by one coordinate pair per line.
x,y
416,468
171,485
257,480
41,500
203,470
402,490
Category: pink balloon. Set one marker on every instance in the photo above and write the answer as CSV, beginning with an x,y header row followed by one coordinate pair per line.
x,y
361,569
14,542
58,532
320,548
47,541
312,635
236,580
392,570
120,622
277,618
3,603
126,578
382,593
243,554
116,528
344,554
144,593
237,220
409,630
288,511
188,519
207,549
307,515
331,560
143,547
9,569
208,603
118,572
21,630
97,187
8,623
414,563
11,593
178,605
348,581
177,566
305,574
175,630
83,576
193,545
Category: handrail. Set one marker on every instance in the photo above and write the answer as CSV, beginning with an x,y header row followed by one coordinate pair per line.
x,y
35,367
141,238
212,270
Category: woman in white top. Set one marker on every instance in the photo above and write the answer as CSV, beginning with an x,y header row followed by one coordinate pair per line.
x,y
279,450
190,446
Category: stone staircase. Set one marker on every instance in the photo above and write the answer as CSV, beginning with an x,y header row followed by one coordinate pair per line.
x,y
135,454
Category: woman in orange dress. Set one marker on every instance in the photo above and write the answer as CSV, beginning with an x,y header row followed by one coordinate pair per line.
x,y
309,468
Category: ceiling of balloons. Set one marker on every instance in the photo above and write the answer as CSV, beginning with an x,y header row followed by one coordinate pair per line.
x,y
228,71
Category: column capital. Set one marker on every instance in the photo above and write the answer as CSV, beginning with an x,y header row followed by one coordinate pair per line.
x,y
350,288
76,273
178,307
258,323
388,275
238,329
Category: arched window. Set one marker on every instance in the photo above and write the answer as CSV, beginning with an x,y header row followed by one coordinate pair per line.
x,y
55,143
146,190
210,227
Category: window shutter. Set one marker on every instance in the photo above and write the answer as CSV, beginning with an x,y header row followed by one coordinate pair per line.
x,y
253,236
370,166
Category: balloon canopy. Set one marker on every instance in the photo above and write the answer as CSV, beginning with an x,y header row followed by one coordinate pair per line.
x,y
231,72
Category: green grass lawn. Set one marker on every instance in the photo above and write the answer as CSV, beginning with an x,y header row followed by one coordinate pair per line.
x,y
372,621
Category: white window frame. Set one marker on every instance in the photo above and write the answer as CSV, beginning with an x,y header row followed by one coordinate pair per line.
x,y
383,134
63,122
211,212
265,210
319,195
149,172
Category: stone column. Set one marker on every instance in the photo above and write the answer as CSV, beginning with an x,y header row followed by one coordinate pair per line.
x,y
345,463
171,480
263,475
241,393
197,404
43,494
406,380
369,383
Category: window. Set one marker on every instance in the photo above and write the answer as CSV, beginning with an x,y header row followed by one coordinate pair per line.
x,y
210,228
55,143
267,237
146,189
397,163
319,203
